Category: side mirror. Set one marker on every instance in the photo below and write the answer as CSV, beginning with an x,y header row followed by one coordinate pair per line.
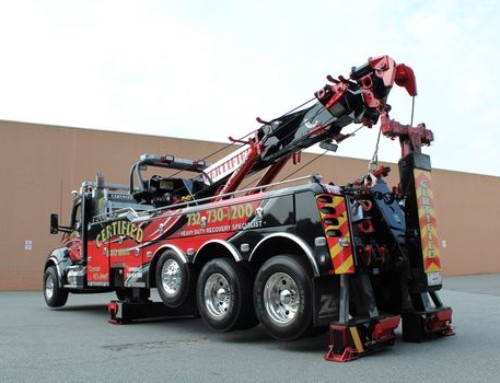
x,y
54,223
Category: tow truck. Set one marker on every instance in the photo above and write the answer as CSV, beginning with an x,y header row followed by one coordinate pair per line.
x,y
296,256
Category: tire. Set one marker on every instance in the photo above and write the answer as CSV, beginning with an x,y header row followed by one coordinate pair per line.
x,y
174,279
53,294
224,296
283,297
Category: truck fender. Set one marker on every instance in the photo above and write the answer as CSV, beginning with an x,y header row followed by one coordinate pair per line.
x,y
173,248
217,242
288,237
150,269
60,259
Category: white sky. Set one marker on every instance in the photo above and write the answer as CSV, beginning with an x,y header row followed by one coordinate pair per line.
x,y
205,69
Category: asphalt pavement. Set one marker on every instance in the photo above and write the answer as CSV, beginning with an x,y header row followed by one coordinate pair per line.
x,y
76,344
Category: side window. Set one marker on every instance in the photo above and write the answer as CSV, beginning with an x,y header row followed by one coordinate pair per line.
x,y
76,218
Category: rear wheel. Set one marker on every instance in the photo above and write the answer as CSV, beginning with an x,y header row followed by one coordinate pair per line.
x,y
53,294
224,295
283,297
173,279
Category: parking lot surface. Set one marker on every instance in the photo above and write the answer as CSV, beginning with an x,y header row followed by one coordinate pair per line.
x,y
76,344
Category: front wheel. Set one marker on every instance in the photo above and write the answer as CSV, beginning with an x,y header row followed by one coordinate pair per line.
x,y
224,295
173,279
53,294
283,297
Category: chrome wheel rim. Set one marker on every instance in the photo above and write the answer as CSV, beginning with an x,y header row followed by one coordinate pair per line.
x,y
171,277
217,296
49,287
281,297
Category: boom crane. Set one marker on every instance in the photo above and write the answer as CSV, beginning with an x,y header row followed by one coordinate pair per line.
x,y
360,99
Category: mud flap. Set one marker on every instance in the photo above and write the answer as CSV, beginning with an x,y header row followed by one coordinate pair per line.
x,y
326,292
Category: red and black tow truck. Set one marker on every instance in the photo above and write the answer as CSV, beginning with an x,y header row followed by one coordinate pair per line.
x,y
295,256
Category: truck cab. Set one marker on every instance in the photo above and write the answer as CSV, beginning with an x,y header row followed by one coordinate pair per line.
x,y
66,266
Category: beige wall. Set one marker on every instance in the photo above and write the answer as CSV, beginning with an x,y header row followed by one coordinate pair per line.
x,y
41,164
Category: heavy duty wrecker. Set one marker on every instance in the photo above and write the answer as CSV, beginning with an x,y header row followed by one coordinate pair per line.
x,y
355,259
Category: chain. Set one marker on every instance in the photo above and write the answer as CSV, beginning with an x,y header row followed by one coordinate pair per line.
x,y
372,166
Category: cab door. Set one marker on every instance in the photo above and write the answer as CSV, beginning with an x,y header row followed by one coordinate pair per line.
x,y
98,256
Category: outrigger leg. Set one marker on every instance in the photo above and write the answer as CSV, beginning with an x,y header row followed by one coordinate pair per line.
x,y
130,310
351,338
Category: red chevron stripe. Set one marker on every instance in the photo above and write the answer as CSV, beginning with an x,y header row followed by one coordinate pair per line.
x,y
432,261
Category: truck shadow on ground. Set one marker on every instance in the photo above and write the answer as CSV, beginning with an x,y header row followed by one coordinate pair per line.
x,y
257,336
194,326
90,308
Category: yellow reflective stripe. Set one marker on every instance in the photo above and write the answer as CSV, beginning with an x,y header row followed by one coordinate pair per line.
x,y
426,210
342,220
433,232
356,339
335,250
337,201
433,268
348,263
